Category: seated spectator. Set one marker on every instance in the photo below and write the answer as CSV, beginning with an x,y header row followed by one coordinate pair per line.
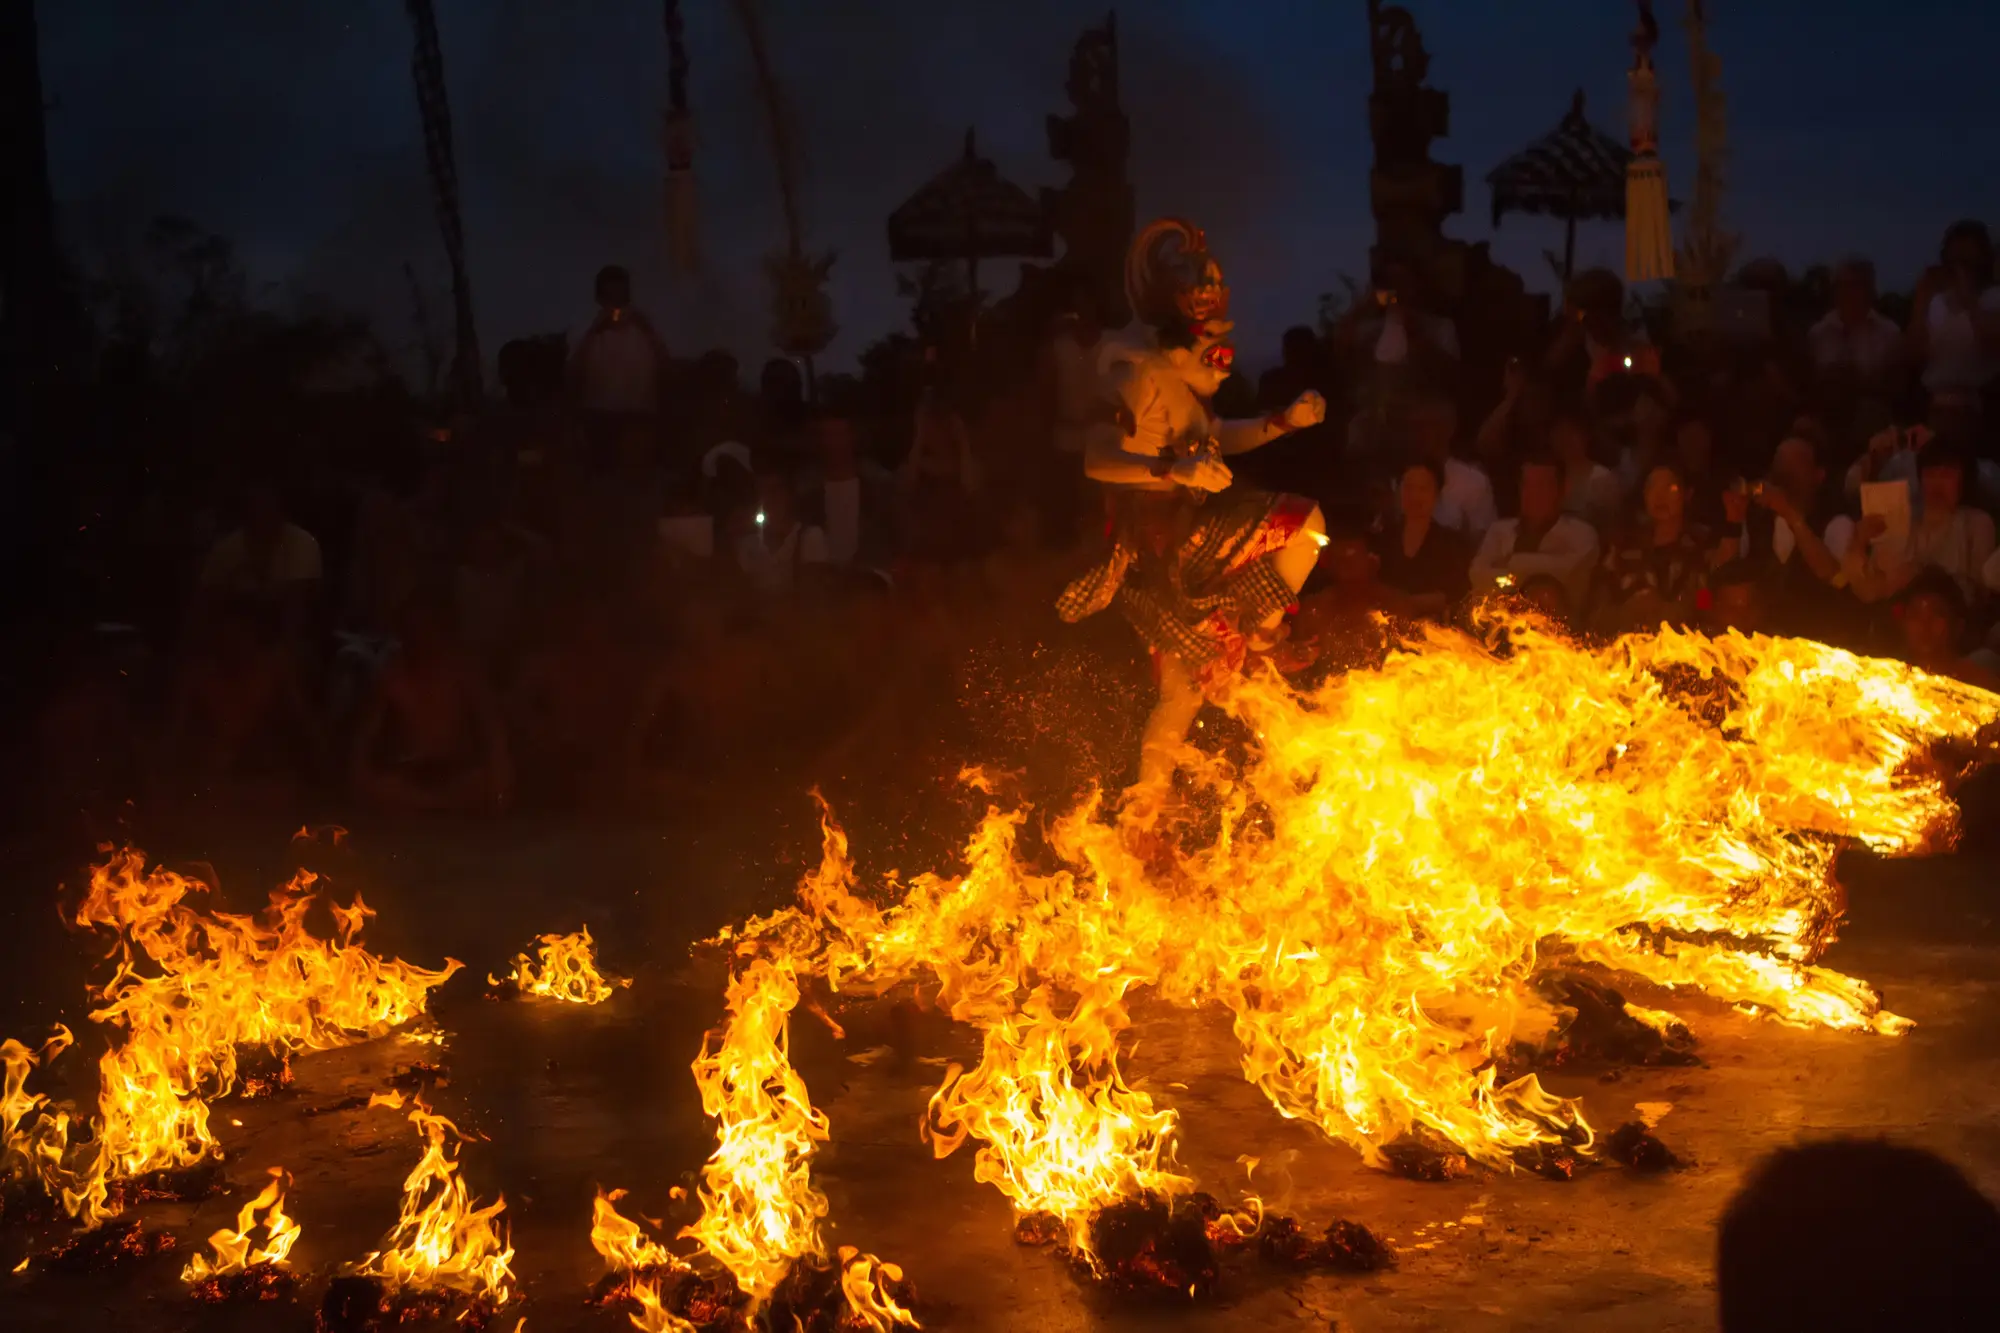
x,y
1651,573
1857,351
431,737
1891,455
1636,422
1590,489
1465,495
1735,600
1515,428
1418,558
780,554
268,560
1702,481
1932,614
1857,1237
239,724
1775,525
1543,540
1946,535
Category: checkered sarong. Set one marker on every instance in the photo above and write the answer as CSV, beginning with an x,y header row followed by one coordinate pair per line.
x,y
1191,573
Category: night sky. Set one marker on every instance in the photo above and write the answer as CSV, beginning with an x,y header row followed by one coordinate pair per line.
x,y
293,129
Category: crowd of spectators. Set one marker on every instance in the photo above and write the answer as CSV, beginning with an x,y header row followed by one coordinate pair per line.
x,y
1827,478
636,574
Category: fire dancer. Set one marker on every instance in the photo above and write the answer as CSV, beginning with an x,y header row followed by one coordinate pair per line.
x,y
1204,571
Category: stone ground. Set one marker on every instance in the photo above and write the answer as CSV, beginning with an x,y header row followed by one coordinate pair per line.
x,y
568,1099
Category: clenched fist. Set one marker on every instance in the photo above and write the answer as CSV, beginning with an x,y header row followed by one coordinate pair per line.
x,y
1308,409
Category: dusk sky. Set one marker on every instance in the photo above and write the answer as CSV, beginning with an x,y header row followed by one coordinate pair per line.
x,y
293,129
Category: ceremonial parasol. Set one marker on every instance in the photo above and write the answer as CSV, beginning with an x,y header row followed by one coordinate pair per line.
x,y
967,211
1575,171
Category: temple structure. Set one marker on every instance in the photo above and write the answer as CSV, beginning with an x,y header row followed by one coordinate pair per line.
x,y
1411,196
1093,213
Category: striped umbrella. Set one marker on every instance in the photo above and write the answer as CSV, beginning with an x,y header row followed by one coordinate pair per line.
x,y
967,211
1575,171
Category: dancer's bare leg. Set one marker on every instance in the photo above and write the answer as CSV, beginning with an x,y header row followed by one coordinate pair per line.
x,y
1166,731
1294,562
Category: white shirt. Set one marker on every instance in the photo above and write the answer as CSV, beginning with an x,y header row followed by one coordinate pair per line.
x,y
1961,547
1957,361
620,371
1838,534
1568,551
843,519
773,570
1868,347
294,558
1465,501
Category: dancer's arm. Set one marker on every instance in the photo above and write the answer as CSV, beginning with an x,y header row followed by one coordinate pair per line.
x,y
1243,435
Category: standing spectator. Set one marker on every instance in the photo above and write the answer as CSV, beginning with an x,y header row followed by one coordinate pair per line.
x,y
1653,570
1856,349
1590,489
619,365
1594,340
1418,557
1398,349
1073,403
269,562
1954,329
1515,428
1465,495
841,507
1302,366
938,480
1543,540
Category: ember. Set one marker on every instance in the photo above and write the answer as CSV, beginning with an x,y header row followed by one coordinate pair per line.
x,y
118,1242
1346,1247
263,1071
257,1283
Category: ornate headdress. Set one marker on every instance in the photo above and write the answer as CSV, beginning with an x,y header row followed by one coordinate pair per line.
x,y
1176,287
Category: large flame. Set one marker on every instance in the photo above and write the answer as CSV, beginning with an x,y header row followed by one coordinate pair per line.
x,y
237,1250
442,1241
1391,864
564,967
188,989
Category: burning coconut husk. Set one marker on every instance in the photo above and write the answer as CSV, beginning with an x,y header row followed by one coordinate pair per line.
x,y
563,968
1634,1144
444,1250
262,1071
1344,1247
246,1268
1147,1247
